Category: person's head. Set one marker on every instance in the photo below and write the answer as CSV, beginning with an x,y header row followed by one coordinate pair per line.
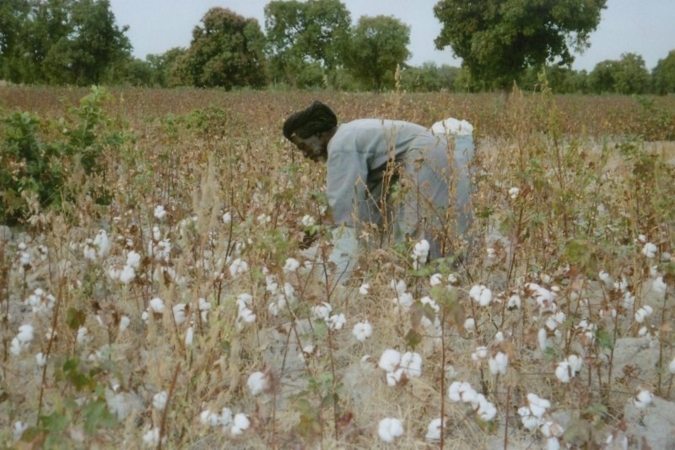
x,y
311,129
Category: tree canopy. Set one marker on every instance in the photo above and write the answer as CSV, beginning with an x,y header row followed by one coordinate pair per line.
x,y
498,39
378,45
227,51
305,36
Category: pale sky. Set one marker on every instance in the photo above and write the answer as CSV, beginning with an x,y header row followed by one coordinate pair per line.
x,y
644,27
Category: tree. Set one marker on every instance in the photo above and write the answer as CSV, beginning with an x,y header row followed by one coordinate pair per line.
x,y
227,51
632,77
429,78
663,75
498,39
626,76
302,36
13,15
92,47
378,45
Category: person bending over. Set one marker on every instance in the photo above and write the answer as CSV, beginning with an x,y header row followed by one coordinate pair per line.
x,y
388,173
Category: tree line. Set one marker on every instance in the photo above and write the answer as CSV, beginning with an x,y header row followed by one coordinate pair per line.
x,y
314,45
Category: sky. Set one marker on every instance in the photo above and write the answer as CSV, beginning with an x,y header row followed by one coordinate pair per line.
x,y
627,26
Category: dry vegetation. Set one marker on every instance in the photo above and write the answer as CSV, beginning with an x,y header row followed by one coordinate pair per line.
x,y
116,354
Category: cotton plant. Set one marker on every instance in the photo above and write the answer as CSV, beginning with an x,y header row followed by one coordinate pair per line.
x,y
22,340
399,366
568,368
403,299
462,392
389,429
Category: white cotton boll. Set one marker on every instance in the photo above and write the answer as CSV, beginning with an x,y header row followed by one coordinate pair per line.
x,y
277,305
412,364
642,313
434,430
19,428
470,324
225,417
389,429
156,305
82,335
336,321
421,250
89,251
575,363
179,314
364,289
389,360
404,300
151,438
513,193
257,383
102,243
189,336
227,218
243,300
394,377
307,221
513,302
538,405
124,323
649,250
499,336
499,363
159,400
486,410
291,265
543,339
209,418
41,359
26,333
529,421
322,311
133,259
481,294
552,443
362,330
659,287
398,286
240,424
562,372
458,389
436,279
643,399
127,274
238,267
247,316
479,354
604,277
159,212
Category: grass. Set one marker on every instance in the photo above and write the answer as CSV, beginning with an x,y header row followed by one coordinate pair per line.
x,y
593,178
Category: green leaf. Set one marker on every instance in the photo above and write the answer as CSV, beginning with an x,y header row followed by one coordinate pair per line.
x,y
96,415
75,318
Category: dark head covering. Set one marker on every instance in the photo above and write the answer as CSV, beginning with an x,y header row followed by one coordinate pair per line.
x,y
308,122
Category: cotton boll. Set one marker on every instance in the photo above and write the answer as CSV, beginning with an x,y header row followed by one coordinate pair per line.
x,y
291,265
562,372
499,363
151,438
336,321
538,406
513,302
364,289
124,323
159,400
479,354
126,275
389,429
238,267
470,324
393,378
436,279
257,383
209,418
41,359
412,364
189,336
362,330
322,311
457,388
389,360
159,212
671,366
241,424
486,410
481,294
649,250
434,430
179,314
19,428
643,399
156,305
